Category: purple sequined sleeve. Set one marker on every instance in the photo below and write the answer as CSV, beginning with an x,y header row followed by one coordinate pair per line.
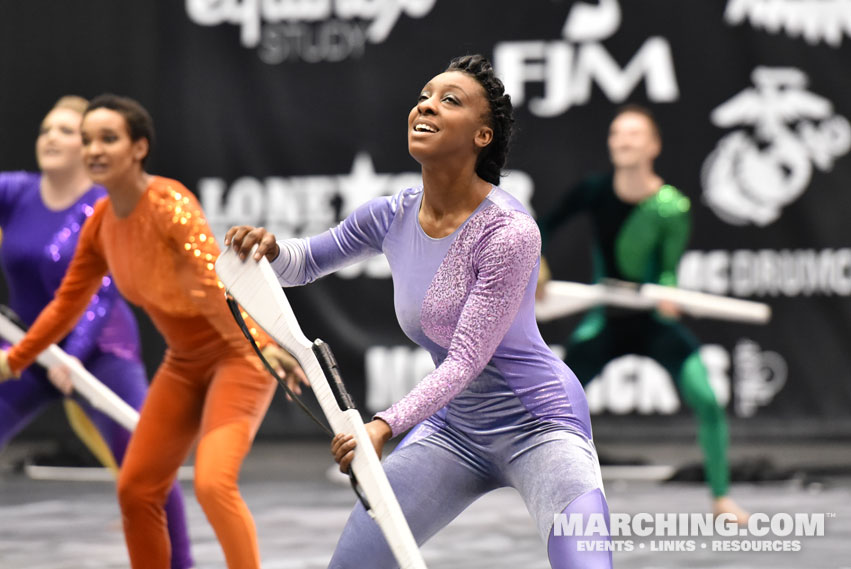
x,y
38,245
504,256
83,338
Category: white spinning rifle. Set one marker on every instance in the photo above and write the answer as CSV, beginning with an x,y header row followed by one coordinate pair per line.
x,y
87,385
563,298
255,287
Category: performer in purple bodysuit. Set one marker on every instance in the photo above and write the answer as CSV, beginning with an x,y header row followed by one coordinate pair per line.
x,y
41,216
500,409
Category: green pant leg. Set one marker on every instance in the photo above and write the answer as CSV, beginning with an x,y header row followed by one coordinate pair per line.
x,y
712,432
598,340
677,350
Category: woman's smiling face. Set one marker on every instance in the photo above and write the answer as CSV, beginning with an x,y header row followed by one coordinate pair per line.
x,y
450,117
59,146
108,151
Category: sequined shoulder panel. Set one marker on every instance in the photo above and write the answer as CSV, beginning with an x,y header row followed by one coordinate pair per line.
x,y
183,210
494,230
470,304
669,202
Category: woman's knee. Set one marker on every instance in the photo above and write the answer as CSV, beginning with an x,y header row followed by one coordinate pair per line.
x,y
213,487
135,492
705,405
361,540
218,461
564,549
697,390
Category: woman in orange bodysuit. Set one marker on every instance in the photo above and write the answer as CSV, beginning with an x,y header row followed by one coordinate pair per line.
x,y
152,236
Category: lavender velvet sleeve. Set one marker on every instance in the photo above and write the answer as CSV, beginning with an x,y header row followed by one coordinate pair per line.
x,y
359,236
504,261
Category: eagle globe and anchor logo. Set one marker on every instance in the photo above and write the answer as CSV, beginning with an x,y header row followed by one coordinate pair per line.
x,y
767,164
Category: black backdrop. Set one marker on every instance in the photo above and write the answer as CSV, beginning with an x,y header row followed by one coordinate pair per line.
x,y
291,113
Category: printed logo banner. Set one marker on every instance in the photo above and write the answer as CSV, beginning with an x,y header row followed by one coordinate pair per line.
x,y
290,114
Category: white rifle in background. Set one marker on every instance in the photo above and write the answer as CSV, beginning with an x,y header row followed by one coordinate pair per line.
x,y
562,298
87,385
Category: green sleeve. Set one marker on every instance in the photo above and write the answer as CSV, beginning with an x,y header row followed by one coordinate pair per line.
x,y
677,229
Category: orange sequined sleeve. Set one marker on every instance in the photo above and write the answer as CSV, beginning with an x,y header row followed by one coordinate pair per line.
x,y
196,246
83,279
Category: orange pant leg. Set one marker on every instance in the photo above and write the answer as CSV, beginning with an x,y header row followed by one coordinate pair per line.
x,y
168,424
237,400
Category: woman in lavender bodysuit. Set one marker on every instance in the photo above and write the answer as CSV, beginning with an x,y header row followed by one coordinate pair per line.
x,y
500,409
41,215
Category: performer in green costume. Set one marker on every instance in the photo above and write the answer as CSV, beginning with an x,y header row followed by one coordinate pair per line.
x,y
641,227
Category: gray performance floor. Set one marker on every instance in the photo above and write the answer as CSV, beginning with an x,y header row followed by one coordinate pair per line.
x,y
299,512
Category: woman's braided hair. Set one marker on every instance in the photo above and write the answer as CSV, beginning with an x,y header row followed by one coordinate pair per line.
x,y
493,157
